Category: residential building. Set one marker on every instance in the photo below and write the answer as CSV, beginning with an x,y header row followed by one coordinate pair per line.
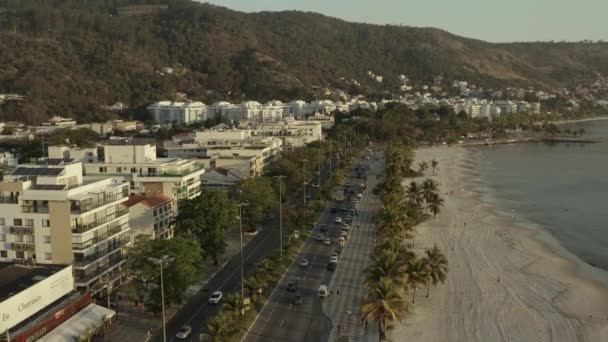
x,y
223,179
168,114
50,215
78,154
327,121
8,158
294,133
151,216
295,108
134,161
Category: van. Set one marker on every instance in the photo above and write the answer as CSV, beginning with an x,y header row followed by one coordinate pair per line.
x,y
323,291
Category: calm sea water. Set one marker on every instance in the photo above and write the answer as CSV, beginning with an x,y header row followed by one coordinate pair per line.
x,y
561,187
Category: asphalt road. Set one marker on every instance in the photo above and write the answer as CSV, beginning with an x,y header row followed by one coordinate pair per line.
x,y
280,320
197,311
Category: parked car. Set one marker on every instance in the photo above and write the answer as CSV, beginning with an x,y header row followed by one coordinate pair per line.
x,y
327,241
335,254
292,286
304,263
296,299
359,195
316,185
331,266
216,297
323,228
319,237
183,332
338,219
323,291
333,259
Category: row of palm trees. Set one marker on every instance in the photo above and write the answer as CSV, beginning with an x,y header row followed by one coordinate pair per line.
x,y
395,270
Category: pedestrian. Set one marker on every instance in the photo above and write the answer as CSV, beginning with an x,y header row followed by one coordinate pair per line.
x,y
338,292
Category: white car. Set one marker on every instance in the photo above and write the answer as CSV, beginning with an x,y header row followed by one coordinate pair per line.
x,y
216,297
338,219
335,254
344,234
345,227
304,263
359,195
184,332
333,259
315,185
327,241
319,237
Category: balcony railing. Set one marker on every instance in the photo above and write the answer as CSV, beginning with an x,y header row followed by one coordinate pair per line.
x,y
170,173
80,228
22,230
23,246
83,262
88,276
34,209
9,200
88,206
101,237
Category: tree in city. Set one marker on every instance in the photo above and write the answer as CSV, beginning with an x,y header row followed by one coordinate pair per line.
x,y
259,193
234,304
437,266
220,327
384,303
206,219
414,194
182,267
429,189
434,165
422,167
417,273
434,204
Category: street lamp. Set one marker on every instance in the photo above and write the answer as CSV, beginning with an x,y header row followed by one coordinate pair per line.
x,y
161,261
280,178
241,205
304,181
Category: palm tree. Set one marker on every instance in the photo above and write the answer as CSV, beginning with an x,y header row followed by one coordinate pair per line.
x,y
220,327
413,193
435,203
255,283
383,303
437,265
392,221
387,264
429,187
434,165
417,273
234,304
422,167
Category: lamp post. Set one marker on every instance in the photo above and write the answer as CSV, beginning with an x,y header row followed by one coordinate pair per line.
x,y
241,205
161,261
280,178
304,181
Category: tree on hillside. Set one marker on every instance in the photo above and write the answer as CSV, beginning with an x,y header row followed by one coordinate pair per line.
x,y
206,218
182,268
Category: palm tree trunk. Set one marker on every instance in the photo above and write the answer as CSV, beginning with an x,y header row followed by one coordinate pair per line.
x,y
428,289
414,295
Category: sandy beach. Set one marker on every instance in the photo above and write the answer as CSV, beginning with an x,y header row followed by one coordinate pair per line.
x,y
505,283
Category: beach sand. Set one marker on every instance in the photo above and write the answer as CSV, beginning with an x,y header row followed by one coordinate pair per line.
x,y
504,282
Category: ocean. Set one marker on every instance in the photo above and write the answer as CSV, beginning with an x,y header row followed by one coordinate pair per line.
x,y
562,188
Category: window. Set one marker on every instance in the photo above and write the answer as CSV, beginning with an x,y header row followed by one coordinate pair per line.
x,y
155,226
28,222
102,170
19,255
2,221
46,239
118,169
17,222
18,238
133,170
46,223
154,212
3,254
29,238
2,237
48,256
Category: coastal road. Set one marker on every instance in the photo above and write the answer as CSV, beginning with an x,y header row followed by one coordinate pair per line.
x,y
280,320
197,311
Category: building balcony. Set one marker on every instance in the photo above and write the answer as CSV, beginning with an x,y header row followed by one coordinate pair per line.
x,y
101,237
80,228
83,278
34,209
83,206
170,173
20,230
91,258
23,246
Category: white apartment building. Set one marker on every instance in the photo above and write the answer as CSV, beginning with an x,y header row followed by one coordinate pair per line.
x,y
327,121
295,108
226,110
8,158
151,216
294,133
50,215
167,113
273,111
134,161
78,154
506,107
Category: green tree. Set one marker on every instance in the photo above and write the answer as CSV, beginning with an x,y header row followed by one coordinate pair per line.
x,y
414,194
220,327
259,193
435,203
434,165
417,273
422,167
383,303
429,189
437,266
206,219
182,268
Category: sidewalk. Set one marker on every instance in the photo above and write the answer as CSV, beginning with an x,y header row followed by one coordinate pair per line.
x,y
134,323
344,309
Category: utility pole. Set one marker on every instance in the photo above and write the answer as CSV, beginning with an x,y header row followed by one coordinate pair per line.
x,y
319,155
330,159
161,261
304,182
280,178
241,205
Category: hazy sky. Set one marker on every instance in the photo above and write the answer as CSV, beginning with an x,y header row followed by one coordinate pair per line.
x,y
491,20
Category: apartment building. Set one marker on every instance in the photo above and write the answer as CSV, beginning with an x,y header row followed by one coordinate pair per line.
x,y
78,154
134,161
151,216
167,113
50,215
294,133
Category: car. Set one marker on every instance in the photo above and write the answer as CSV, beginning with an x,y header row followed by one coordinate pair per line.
x,y
338,219
348,219
296,299
332,266
341,241
323,291
359,195
353,211
343,234
319,237
315,185
183,332
335,254
345,227
327,241
292,286
323,228
333,259
333,210
308,196
304,263
317,173
216,297
338,250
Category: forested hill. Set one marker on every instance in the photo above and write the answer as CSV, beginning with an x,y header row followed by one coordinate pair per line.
x,y
72,57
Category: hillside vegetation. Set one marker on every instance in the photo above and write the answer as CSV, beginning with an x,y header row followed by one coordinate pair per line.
x,y
72,57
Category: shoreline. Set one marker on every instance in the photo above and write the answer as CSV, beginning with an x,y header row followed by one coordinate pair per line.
x,y
570,121
509,279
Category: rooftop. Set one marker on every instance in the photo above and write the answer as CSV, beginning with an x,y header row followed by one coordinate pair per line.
x,y
129,141
15,278
150,202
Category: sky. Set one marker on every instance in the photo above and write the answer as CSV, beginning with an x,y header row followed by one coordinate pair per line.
x,y
489,20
